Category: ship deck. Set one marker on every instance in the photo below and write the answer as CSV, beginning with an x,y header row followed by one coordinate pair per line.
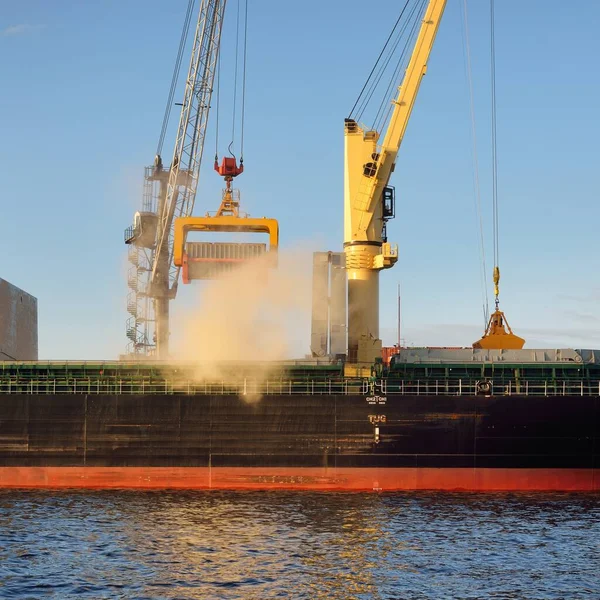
x,y
298,378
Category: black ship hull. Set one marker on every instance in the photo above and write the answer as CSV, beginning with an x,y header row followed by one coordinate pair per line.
x,y
301,441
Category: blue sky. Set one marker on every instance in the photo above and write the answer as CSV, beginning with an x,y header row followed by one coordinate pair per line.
x,y
83,92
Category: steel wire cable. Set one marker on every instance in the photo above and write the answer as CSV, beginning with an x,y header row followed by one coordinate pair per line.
x,y
378,59
476,180
383,117
494,141
395,76
374,84
244,80
235,78
175,76
218,77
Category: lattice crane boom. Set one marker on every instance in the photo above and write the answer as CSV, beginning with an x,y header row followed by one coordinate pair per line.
x,y
153,231
189,142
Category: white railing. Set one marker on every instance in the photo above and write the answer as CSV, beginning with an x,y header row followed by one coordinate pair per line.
x,y
251,387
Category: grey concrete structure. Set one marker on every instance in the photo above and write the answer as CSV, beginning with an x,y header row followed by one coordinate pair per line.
x,y
320,312
338,295
18,323
329,315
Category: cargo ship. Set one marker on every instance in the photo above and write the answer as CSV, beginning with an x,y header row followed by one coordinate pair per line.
x,y
471,419
493,417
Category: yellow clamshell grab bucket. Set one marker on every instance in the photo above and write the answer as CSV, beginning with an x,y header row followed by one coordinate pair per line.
x,y
499,335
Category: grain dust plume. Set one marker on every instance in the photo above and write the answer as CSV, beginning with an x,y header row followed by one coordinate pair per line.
x,y
248,319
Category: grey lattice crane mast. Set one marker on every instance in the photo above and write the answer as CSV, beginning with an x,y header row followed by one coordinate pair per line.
x,y
151,236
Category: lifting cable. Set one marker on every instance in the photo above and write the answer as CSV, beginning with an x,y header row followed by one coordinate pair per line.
x,y
382,69
218,84
404,30
360,95
244,81
494,153
476,182
382,117
175,77
230,147
235,77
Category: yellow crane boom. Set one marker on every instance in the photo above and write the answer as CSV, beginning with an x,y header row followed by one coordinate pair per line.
x,y
368,166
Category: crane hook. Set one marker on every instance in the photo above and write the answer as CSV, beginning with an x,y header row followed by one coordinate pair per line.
x,y
496,285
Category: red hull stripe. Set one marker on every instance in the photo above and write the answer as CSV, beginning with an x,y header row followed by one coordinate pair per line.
x,y
357,479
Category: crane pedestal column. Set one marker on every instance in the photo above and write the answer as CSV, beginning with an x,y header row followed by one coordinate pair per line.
x,y
160,285
363,303
161,315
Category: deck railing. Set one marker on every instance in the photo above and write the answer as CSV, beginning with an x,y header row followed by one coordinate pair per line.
x,y
250,387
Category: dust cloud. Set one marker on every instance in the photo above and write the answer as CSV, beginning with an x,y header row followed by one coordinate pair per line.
x,y
246,321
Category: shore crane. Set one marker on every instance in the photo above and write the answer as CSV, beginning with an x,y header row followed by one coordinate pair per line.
x,y
154,277
369,200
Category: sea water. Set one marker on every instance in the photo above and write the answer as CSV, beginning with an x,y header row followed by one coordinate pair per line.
x,y
106,544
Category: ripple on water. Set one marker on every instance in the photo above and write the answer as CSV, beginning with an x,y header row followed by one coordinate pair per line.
x,y
304,545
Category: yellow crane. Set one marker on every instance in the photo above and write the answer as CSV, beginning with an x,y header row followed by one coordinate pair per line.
x,y
369,201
